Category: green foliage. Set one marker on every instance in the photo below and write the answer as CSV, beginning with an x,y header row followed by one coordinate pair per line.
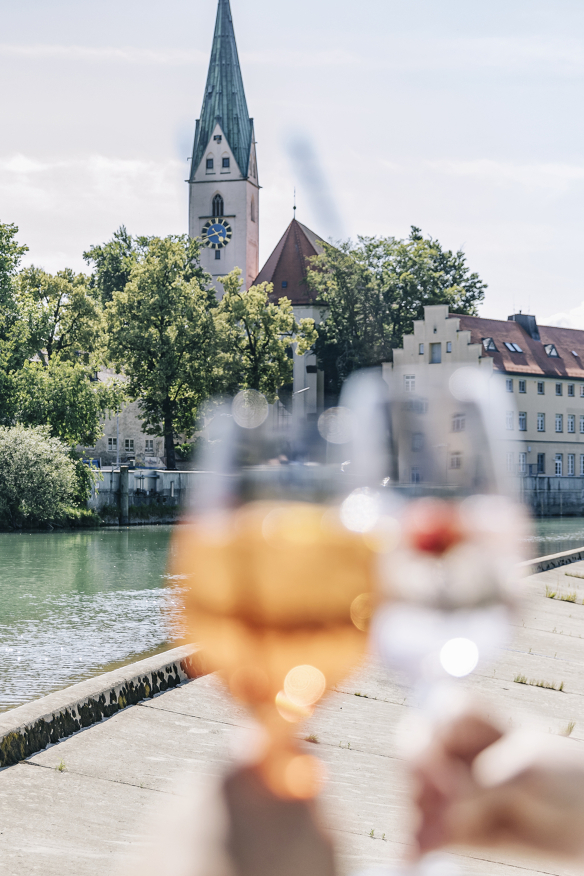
x,y
162,336
113,262
10,256
254,336
375,290
63,314
64,397
37,477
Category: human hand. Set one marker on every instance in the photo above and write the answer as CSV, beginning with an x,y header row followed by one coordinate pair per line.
x,y
476,786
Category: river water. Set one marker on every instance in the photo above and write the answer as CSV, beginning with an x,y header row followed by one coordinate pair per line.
x,y
74,604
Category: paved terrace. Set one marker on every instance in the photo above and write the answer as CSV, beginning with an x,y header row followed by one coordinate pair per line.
x,y
86,818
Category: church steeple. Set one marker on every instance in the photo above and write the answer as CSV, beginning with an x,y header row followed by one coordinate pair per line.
x,y
224,102
223,184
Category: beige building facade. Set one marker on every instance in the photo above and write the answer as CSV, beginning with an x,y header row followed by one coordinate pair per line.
x,y
540,369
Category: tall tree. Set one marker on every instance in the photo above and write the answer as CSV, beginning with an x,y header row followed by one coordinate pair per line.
x,y
254,336
113,261
63,313
375,290
162,336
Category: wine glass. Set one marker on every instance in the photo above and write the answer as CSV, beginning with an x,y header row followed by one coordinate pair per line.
x,y
449,583
276,588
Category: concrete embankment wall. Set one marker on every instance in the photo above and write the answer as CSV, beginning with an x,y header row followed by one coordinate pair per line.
x,y
32,727
553,497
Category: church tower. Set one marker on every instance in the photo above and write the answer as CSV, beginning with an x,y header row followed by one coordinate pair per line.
x,y
223,185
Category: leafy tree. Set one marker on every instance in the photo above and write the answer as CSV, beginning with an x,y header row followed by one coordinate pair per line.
x,y
375,290
162,336
113,262
63,397
10,256
254,336
37,476
63,313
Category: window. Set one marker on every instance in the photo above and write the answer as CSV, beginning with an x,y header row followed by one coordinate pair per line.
x,y
252,210
510,463
435,354
420,349
417,441
522,386
551,350
522,463
225,162
571,465
217,255
415,475
513,348
581,424
210,164
218,205
489,345
409,383
149,445
541,463
449,346
509,421
540,387
582,391
112,443
571,423
582,465
559,388
522,421
541,422
559,464
559,422
456,460
129,445
284,284
571,389
458,423
509,384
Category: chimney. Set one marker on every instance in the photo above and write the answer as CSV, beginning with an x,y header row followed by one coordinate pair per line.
x,y
527,323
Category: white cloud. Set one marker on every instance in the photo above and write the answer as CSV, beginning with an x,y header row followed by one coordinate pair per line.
x,y
573,318
63,207
553,176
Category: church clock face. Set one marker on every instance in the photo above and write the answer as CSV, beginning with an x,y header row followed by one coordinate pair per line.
x,y
216,233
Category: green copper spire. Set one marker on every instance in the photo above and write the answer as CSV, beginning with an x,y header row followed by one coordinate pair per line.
x,y
224,100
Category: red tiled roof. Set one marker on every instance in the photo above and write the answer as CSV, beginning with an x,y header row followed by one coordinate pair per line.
x,y
287,264
533,359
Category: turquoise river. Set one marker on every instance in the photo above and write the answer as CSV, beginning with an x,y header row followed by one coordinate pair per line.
x,y
74,604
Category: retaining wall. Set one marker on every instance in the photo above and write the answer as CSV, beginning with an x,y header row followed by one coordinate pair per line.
x,y
32,727
553,497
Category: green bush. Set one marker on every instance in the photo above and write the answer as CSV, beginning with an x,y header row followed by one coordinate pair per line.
x,y
37,477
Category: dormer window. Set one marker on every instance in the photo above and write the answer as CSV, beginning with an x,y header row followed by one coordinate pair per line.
x,y
513,348
551,350
489,345
284,284
226,163
210,164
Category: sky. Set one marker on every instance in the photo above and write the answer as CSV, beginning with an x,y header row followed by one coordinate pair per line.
x,y
462,118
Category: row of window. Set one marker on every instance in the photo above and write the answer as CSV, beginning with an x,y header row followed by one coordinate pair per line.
x,y
522,386
225,163
558,467
550,349
435,351
559,422
112,445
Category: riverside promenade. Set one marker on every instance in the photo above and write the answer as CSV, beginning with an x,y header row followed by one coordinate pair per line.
x,y
82,806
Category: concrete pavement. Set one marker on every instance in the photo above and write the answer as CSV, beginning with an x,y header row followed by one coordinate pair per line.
x,y
81,806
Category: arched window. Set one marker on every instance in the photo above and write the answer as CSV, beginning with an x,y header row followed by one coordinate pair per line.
x,y
217,205
253,209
